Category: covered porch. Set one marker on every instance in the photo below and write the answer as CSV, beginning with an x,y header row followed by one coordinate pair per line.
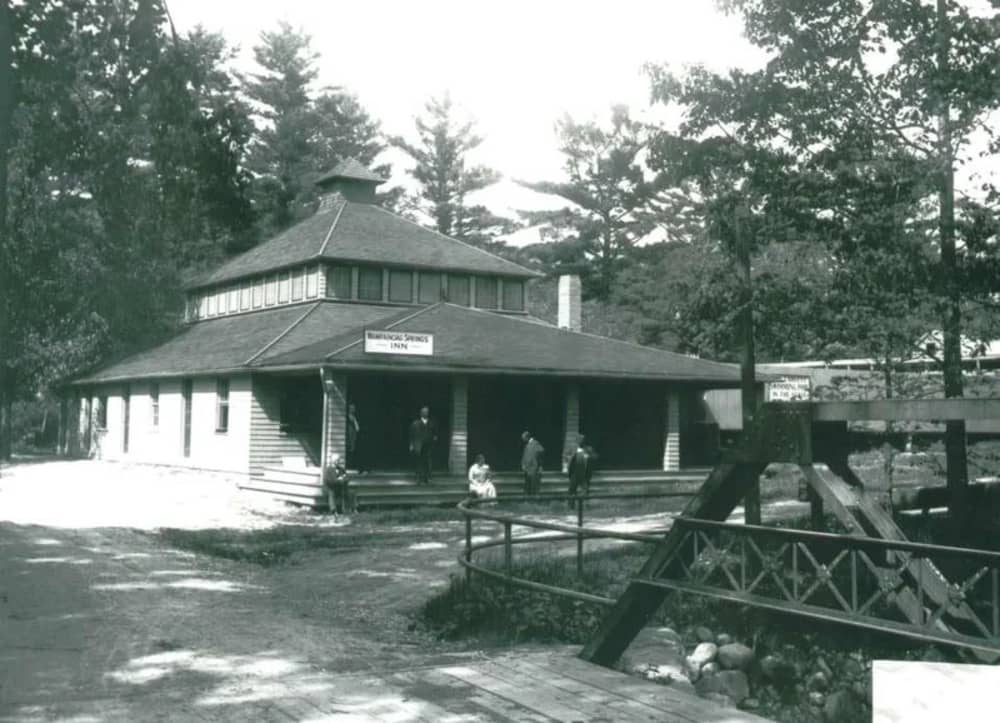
x,y
632,424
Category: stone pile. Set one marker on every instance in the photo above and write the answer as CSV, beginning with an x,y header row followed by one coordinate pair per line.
x,y
834,688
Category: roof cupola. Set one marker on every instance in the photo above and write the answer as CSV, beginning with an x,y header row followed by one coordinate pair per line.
x,y
350,180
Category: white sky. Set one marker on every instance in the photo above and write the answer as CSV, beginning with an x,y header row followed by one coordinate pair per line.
x,y
514,66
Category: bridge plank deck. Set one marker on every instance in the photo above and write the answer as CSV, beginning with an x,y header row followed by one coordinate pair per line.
x,y
538,686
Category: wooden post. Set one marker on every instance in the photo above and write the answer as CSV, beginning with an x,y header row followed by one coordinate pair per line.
x,y
816,515
323,459
508,553
579,535
468,549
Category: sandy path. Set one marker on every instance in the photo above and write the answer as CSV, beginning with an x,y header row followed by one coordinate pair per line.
x,y
101,621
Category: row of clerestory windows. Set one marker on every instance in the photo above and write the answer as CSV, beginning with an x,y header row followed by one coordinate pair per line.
x,y
405,286
358,283
284,287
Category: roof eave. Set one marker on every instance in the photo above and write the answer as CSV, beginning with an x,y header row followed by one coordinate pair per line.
x,y
498,370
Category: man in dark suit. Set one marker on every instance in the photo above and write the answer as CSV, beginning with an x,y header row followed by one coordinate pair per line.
x,y
423,434
531,464
581,467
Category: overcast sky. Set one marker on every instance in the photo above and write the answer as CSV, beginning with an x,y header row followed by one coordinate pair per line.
x,y
514,66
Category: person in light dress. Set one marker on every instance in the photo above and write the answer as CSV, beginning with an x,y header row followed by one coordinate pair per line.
x,y
481,480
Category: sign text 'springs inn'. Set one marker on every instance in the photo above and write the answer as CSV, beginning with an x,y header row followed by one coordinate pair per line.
x,y
398,342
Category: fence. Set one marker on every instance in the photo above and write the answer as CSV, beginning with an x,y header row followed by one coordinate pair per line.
x,y
471,510
854,580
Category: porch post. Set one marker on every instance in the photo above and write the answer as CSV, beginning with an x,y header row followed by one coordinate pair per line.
x,y
86,423
71,443
458,445
334,416
572,422
61,432
672,447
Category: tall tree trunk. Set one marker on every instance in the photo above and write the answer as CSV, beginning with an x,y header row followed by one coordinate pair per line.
x,y
6,112
954,438
748,380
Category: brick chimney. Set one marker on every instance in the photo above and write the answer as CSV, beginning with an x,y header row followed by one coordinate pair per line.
x,y
570,303
348,180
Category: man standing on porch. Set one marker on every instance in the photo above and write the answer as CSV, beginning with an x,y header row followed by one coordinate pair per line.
x,y
531,464
422,437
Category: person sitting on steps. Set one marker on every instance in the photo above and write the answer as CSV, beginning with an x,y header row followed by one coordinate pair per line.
x,y
337,483
481,480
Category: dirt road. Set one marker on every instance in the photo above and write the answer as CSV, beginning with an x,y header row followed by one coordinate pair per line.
x,y
99,620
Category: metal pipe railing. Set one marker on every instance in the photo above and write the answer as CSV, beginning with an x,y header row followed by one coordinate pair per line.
x,y
577,532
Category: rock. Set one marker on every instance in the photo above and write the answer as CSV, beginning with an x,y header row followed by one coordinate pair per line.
x,y
821,665
703,634
818,681
723,639
816,698
672,675
710,668
777,669
655,646
703,653
841,705
751,704
735,656
731,683
720,698
735,684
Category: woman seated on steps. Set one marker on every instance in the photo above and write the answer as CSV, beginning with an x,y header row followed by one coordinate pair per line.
x,y
480,480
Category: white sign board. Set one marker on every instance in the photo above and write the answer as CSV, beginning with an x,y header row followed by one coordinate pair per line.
x,y
789,389
398,342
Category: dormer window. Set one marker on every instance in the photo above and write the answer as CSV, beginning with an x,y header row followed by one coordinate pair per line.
x,y
513,295
429,287
370,284
486,292
401,286
338,283
458,290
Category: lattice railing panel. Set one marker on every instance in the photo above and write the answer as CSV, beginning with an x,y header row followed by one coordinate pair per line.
x,y
844,579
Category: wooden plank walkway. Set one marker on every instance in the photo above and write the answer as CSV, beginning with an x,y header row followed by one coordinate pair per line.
x,y
544,686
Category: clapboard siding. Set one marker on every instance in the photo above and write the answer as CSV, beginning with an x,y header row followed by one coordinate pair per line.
x,y
268,443
163,442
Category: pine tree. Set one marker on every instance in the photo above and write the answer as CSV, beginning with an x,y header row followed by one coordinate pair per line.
x,y
445,176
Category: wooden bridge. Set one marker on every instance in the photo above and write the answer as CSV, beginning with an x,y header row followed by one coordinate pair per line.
x,y
872,577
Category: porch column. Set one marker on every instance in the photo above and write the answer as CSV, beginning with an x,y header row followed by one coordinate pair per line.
x,y
458,445
72,440
334,416
62,430
85,424
572,422
672,447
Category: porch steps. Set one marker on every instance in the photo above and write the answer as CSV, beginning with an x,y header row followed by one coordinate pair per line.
x,y
383,489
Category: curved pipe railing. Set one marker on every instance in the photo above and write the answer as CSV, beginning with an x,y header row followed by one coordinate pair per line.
x,y
568,532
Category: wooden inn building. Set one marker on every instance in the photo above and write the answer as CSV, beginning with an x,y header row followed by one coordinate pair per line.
x,y
358,305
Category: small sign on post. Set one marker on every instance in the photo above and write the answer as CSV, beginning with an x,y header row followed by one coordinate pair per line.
x,y
789,389
398,342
